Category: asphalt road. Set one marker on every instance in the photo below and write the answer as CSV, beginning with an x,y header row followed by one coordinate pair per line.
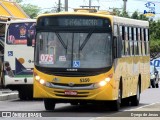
x,y
68,112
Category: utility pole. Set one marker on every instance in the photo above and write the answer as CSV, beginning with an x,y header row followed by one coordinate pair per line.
x,y
66,5
90,3
124,5
59,5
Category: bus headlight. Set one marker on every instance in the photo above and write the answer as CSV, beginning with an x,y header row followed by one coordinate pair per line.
x,y
102,83
37,77
41,81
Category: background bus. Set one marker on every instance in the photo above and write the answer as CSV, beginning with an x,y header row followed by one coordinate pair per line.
x,y
17,57
83,57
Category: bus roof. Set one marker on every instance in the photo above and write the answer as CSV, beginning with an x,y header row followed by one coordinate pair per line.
x,y
129,21
115,19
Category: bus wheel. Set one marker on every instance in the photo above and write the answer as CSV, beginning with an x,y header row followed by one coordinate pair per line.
x,y
115,106
125,102
22,95
153,83
2,77
157,85
136,98
49,104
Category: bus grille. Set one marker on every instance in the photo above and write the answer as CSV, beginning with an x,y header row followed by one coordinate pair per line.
x,y
89,86
75,85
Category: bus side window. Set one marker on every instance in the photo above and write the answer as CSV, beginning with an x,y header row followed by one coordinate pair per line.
x,y
143,42
118,41
131,46
115,30
139,42
135,41
126,41
122,37
147,41
145,32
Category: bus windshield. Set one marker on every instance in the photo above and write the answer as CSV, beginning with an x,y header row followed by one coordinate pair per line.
x,y
17,33
58,49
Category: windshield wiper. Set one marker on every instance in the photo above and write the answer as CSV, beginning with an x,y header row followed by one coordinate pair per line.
x,y
86,40
61,41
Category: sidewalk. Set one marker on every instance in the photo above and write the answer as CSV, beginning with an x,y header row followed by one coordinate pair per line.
x,y
6,94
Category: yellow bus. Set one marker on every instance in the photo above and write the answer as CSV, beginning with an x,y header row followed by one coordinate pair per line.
x,y
89,56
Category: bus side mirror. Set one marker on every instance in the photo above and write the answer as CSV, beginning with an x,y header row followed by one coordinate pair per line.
x,y
115,46
29,39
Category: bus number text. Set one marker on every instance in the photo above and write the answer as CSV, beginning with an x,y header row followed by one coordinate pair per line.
x,y
84,80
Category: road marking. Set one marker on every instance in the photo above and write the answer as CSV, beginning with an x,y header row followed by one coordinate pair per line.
x,y
142,106
96,118
128,110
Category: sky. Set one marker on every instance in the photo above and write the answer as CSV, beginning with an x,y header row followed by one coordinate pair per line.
x,y
132,5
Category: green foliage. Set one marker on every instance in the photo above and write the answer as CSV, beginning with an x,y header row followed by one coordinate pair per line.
x,y
55,8
18,1
124,14
31,10
154,38
154,45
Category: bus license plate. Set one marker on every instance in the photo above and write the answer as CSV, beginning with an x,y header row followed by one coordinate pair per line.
x,y
69,92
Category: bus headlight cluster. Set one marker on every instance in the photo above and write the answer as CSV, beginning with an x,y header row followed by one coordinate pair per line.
x,y
41,81
102,83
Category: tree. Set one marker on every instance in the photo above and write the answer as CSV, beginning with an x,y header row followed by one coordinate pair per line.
x,y
124,14
18,1
55,8
31,10
155,39
135,15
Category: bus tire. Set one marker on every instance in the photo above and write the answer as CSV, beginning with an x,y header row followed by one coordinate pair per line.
x,y
49,104
26,93
115,106
136,98
157,85
2,77
22,95
125,102
153,84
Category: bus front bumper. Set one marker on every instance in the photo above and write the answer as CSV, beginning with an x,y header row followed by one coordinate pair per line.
x,y
17,80
107,92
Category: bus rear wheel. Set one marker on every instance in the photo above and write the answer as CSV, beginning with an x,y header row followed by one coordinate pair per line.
x,y
49,104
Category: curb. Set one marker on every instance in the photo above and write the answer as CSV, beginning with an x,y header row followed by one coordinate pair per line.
x,y
8,96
